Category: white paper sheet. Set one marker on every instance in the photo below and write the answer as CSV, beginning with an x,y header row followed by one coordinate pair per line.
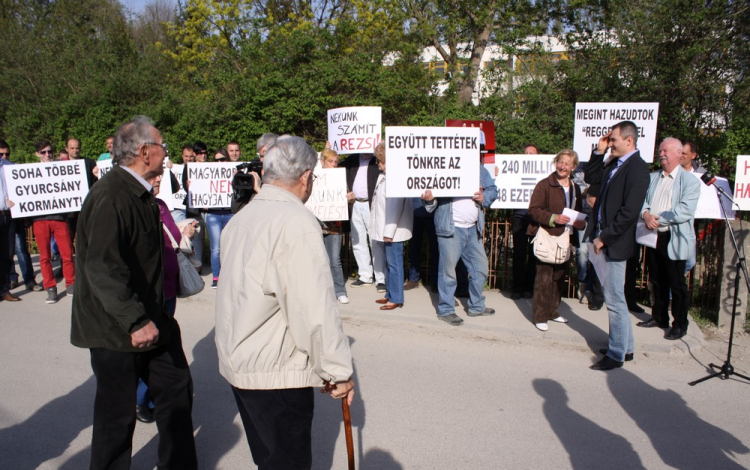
x,y
644,235
574,216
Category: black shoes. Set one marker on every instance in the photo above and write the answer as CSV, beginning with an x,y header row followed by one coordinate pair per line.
x,y
595,306
606,363
650,323
144,414
635,308
515,296
675,333
628,356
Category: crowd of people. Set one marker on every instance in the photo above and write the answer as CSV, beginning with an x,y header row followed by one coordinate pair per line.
x,y
278,332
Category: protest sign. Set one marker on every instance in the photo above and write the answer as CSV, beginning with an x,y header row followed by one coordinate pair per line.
x,y
444,160
179,196
487,135
708,205
46,188
742,182
594,120
517,177
354,129
165,189
210,184
328,198
104,166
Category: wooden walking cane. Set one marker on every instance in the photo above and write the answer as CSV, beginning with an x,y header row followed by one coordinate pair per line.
x,y
328,388
348,432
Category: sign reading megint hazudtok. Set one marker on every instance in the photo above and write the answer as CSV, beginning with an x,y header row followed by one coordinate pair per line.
x,y
354,129
328,198
594,120
46,188
517,177
210,184
444,160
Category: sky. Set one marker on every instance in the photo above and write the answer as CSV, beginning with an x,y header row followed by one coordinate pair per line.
x,y
137,6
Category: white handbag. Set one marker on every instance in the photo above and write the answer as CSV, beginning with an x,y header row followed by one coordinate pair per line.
x,y
190,282
551,249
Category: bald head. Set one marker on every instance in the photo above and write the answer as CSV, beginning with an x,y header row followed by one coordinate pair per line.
x,y
670,151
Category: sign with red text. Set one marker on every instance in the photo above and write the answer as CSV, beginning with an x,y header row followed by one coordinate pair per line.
x,y
355,129
328,198
104,166
594,120
210,184
444,160
742,183
46,188
517,176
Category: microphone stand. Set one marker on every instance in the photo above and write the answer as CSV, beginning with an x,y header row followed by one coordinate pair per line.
x,y
727,369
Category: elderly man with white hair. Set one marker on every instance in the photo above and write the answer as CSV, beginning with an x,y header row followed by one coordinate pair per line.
x,y
278,330
669,209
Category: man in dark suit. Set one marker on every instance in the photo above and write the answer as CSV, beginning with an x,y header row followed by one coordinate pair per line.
x,y
612,229
361,175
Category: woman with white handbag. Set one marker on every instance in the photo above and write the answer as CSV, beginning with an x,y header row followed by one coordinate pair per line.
x,y
553,234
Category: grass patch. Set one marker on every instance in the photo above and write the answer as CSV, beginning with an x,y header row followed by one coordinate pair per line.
x,y
704,317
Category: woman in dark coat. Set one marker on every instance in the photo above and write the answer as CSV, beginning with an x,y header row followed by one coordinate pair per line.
x,y
551,195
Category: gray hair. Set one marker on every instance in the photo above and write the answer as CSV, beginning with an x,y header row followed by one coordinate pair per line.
x,y
267,140
288,159
129,138
674,141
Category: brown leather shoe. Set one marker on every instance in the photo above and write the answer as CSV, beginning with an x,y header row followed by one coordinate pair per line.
x,y
390,306
10,297
411,285
382,301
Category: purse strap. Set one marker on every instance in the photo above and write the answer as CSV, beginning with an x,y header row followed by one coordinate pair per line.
x,y
171,238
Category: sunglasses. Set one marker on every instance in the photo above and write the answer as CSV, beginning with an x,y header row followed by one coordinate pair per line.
x,y
4,154
46,152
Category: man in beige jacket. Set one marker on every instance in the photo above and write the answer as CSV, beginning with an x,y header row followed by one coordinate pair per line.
x,y
278,331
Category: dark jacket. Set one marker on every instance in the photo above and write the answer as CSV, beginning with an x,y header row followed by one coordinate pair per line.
x,y
621,202
119,267
549,198
352,166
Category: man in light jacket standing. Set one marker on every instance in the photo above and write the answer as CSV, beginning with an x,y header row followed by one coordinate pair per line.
x,y
669,209
278,331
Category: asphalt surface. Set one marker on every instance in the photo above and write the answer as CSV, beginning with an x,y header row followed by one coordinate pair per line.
x,y
493,393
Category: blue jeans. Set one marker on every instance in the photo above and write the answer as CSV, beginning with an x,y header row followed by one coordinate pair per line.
x,y
53,246
332,242
24,259
215,223
465,244
620,326
582,257
394,272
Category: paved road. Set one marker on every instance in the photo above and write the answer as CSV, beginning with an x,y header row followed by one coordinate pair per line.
x,y
495,393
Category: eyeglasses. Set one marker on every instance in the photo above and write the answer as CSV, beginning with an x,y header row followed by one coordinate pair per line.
x,y
4,154
46,152
162,145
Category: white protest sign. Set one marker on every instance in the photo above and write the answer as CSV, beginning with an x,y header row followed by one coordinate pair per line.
x,y
354,130
594,120
708,205
742,183
328,198
210,184
46,188
444,160
179,196
104,166
165,189
517,177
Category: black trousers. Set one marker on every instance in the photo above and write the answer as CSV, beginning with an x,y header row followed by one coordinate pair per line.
x,y
165,371
423,225
278,426
7,249
667,275
524,261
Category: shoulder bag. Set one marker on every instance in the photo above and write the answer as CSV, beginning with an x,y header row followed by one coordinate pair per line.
x,y
190,282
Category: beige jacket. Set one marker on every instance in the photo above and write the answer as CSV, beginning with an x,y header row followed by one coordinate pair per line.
x,y
391,217
277,320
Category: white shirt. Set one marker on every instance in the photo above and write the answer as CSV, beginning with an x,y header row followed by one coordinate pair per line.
x,y
465,212
360,181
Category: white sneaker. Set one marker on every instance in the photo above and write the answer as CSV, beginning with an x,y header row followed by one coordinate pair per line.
x,y
542,326
560,319
343,299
